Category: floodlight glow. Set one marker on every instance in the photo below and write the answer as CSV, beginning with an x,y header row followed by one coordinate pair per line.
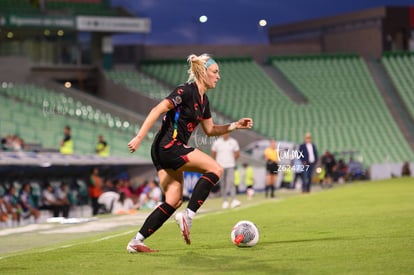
x,y
203,19
262,23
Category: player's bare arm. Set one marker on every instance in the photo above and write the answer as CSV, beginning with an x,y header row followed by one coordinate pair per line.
x,y
212,129
162,107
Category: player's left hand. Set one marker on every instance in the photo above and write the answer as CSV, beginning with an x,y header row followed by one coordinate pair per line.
x,y
244,123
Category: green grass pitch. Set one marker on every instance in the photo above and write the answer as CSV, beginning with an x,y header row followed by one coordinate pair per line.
x,y
358,228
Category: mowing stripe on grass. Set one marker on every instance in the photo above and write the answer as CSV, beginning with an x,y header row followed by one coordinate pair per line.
x,y
205,213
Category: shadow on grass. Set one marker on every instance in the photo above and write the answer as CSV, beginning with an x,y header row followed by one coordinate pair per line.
x,y
309,240
200,263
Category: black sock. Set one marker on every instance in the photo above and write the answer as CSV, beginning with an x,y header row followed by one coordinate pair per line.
x,y
272,191
266,190
156,219
202,190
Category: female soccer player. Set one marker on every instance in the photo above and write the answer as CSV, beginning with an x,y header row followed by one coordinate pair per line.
x,y
185,108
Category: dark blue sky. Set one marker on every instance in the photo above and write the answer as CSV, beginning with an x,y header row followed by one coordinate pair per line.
x,y
230,21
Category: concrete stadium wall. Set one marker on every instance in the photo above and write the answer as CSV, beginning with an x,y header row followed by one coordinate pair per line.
x,y
366,32
14,69
366,42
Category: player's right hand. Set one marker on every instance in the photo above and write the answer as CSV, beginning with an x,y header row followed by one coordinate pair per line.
x,y
134,144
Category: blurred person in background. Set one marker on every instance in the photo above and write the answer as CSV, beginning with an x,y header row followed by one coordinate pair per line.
x,y
26,201
102,147
309,158
355,169
248,180
17,143
95,190
50,201
66,145
4,210
124,185
109,185
225,150
272,167
151,197
63,197
297,169
328,163
237,180
123,205
340,171
12,201
406,170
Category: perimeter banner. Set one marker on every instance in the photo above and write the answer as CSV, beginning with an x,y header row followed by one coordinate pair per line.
x,y
113,24
62,22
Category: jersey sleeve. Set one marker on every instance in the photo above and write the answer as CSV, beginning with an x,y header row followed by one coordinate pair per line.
x,y
177,96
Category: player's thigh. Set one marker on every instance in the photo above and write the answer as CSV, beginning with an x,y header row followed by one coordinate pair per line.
x,y
200,162
171,182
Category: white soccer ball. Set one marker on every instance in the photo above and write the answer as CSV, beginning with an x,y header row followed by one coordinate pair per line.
x,y
245,234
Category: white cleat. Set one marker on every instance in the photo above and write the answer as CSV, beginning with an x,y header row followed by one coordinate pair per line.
x,y
184,223
137,246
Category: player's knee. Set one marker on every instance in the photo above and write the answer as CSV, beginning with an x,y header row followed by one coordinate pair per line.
x,y
176,203
217,170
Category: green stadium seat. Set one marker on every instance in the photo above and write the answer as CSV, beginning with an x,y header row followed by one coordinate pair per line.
x,y
400,68
42,114
345,91
344,112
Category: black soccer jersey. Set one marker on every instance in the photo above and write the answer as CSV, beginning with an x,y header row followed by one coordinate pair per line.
x,y
189,109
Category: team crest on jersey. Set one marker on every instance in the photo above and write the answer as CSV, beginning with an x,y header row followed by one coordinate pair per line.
x,y
177,100
191,126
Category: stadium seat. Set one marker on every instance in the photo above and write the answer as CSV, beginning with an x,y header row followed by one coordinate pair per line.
x,y
400,68
361,120
342,83
39,115
139,82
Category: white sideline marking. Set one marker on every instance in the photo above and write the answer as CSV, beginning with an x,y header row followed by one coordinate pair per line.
x,y
25,229
219,212
70,245
66,246
113,236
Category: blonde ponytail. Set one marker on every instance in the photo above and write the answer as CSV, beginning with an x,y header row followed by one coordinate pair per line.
x,y
197,70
